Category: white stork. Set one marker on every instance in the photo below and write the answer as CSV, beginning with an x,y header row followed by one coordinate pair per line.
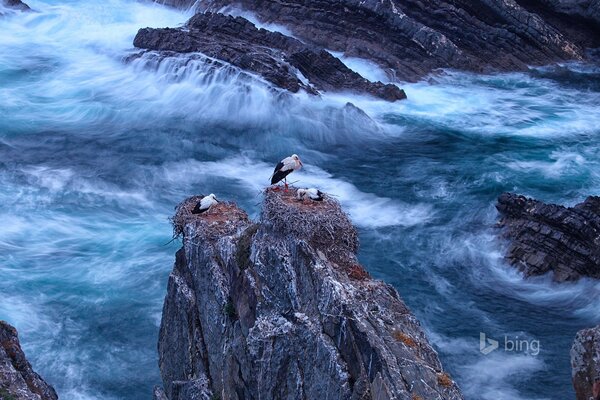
x,y
284,168
312,193
205,204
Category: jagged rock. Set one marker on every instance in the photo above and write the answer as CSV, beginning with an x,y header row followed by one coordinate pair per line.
x,y
15,4
552,238
585,364
281,309
182,4
410,38
18,381
589,9
277,58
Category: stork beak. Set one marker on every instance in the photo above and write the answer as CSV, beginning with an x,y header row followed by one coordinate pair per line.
x,y
302,165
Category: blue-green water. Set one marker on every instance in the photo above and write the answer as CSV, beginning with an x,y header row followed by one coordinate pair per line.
x,y
94,154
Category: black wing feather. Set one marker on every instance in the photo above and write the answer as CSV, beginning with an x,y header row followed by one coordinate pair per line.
x,y
198,210
279,175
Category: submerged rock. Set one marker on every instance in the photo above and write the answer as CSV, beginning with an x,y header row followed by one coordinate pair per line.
x,y
281,60
411,38
552,238
18,381
585,364
281,309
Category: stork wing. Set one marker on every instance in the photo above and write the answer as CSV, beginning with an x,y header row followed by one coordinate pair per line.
x,y
279,175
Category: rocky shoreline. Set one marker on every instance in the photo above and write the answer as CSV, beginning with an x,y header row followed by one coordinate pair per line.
x,y
410,39
280,308
281,60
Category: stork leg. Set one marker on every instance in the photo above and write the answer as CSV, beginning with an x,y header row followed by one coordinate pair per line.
x,y
285,183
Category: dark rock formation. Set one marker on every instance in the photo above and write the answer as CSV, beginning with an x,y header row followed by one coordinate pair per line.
x,y
15,4
281,309
18,381
182,4
589,9
410,38
585,363
277,58
548,237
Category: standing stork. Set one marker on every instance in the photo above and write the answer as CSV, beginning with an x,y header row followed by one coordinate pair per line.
x,y
284,168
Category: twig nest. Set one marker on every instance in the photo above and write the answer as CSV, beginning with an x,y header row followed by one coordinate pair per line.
x,y
322,223
223,218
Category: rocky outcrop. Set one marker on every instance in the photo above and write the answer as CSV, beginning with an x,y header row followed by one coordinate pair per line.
x,y
410,38
552,238
18,381
585,364
281,60
281,309
589,9
15,4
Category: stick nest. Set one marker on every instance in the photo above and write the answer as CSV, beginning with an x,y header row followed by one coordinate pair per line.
x,y
223,217
322,223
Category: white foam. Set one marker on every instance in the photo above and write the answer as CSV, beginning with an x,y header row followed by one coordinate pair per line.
x,y
565,163
366,68
366,209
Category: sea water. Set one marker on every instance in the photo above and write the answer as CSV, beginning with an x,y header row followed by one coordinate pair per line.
x,y
95,152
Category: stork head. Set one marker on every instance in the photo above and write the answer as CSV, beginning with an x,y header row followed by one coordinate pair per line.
x,y
212,196
297,159
300,194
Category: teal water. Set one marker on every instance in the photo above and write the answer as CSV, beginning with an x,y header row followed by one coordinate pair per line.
x,y
95,153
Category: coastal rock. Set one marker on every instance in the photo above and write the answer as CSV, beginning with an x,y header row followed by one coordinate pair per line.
x,y
18,381
181,4
15,4
552,238
411,38
585,364
281,60
589,9
281,309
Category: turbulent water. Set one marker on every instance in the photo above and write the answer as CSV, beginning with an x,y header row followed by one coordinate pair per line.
x,y
95,153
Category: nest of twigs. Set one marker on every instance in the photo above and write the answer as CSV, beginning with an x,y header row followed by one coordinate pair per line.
x,y
322,223
221,217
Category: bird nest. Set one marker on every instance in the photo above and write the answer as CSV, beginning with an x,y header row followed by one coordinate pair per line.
x,y
221,217
322,223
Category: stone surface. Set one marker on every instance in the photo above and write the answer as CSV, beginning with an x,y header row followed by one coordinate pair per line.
x,y
281,309
410,38
15,4
552,238
18,381
279,59
585,363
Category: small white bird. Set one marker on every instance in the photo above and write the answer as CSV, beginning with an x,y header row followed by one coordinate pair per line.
x,y
312,193
205,204
286,167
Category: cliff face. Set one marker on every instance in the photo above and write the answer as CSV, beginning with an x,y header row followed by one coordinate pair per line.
x,y
549,237
281,309
585,363
18,381
410,38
